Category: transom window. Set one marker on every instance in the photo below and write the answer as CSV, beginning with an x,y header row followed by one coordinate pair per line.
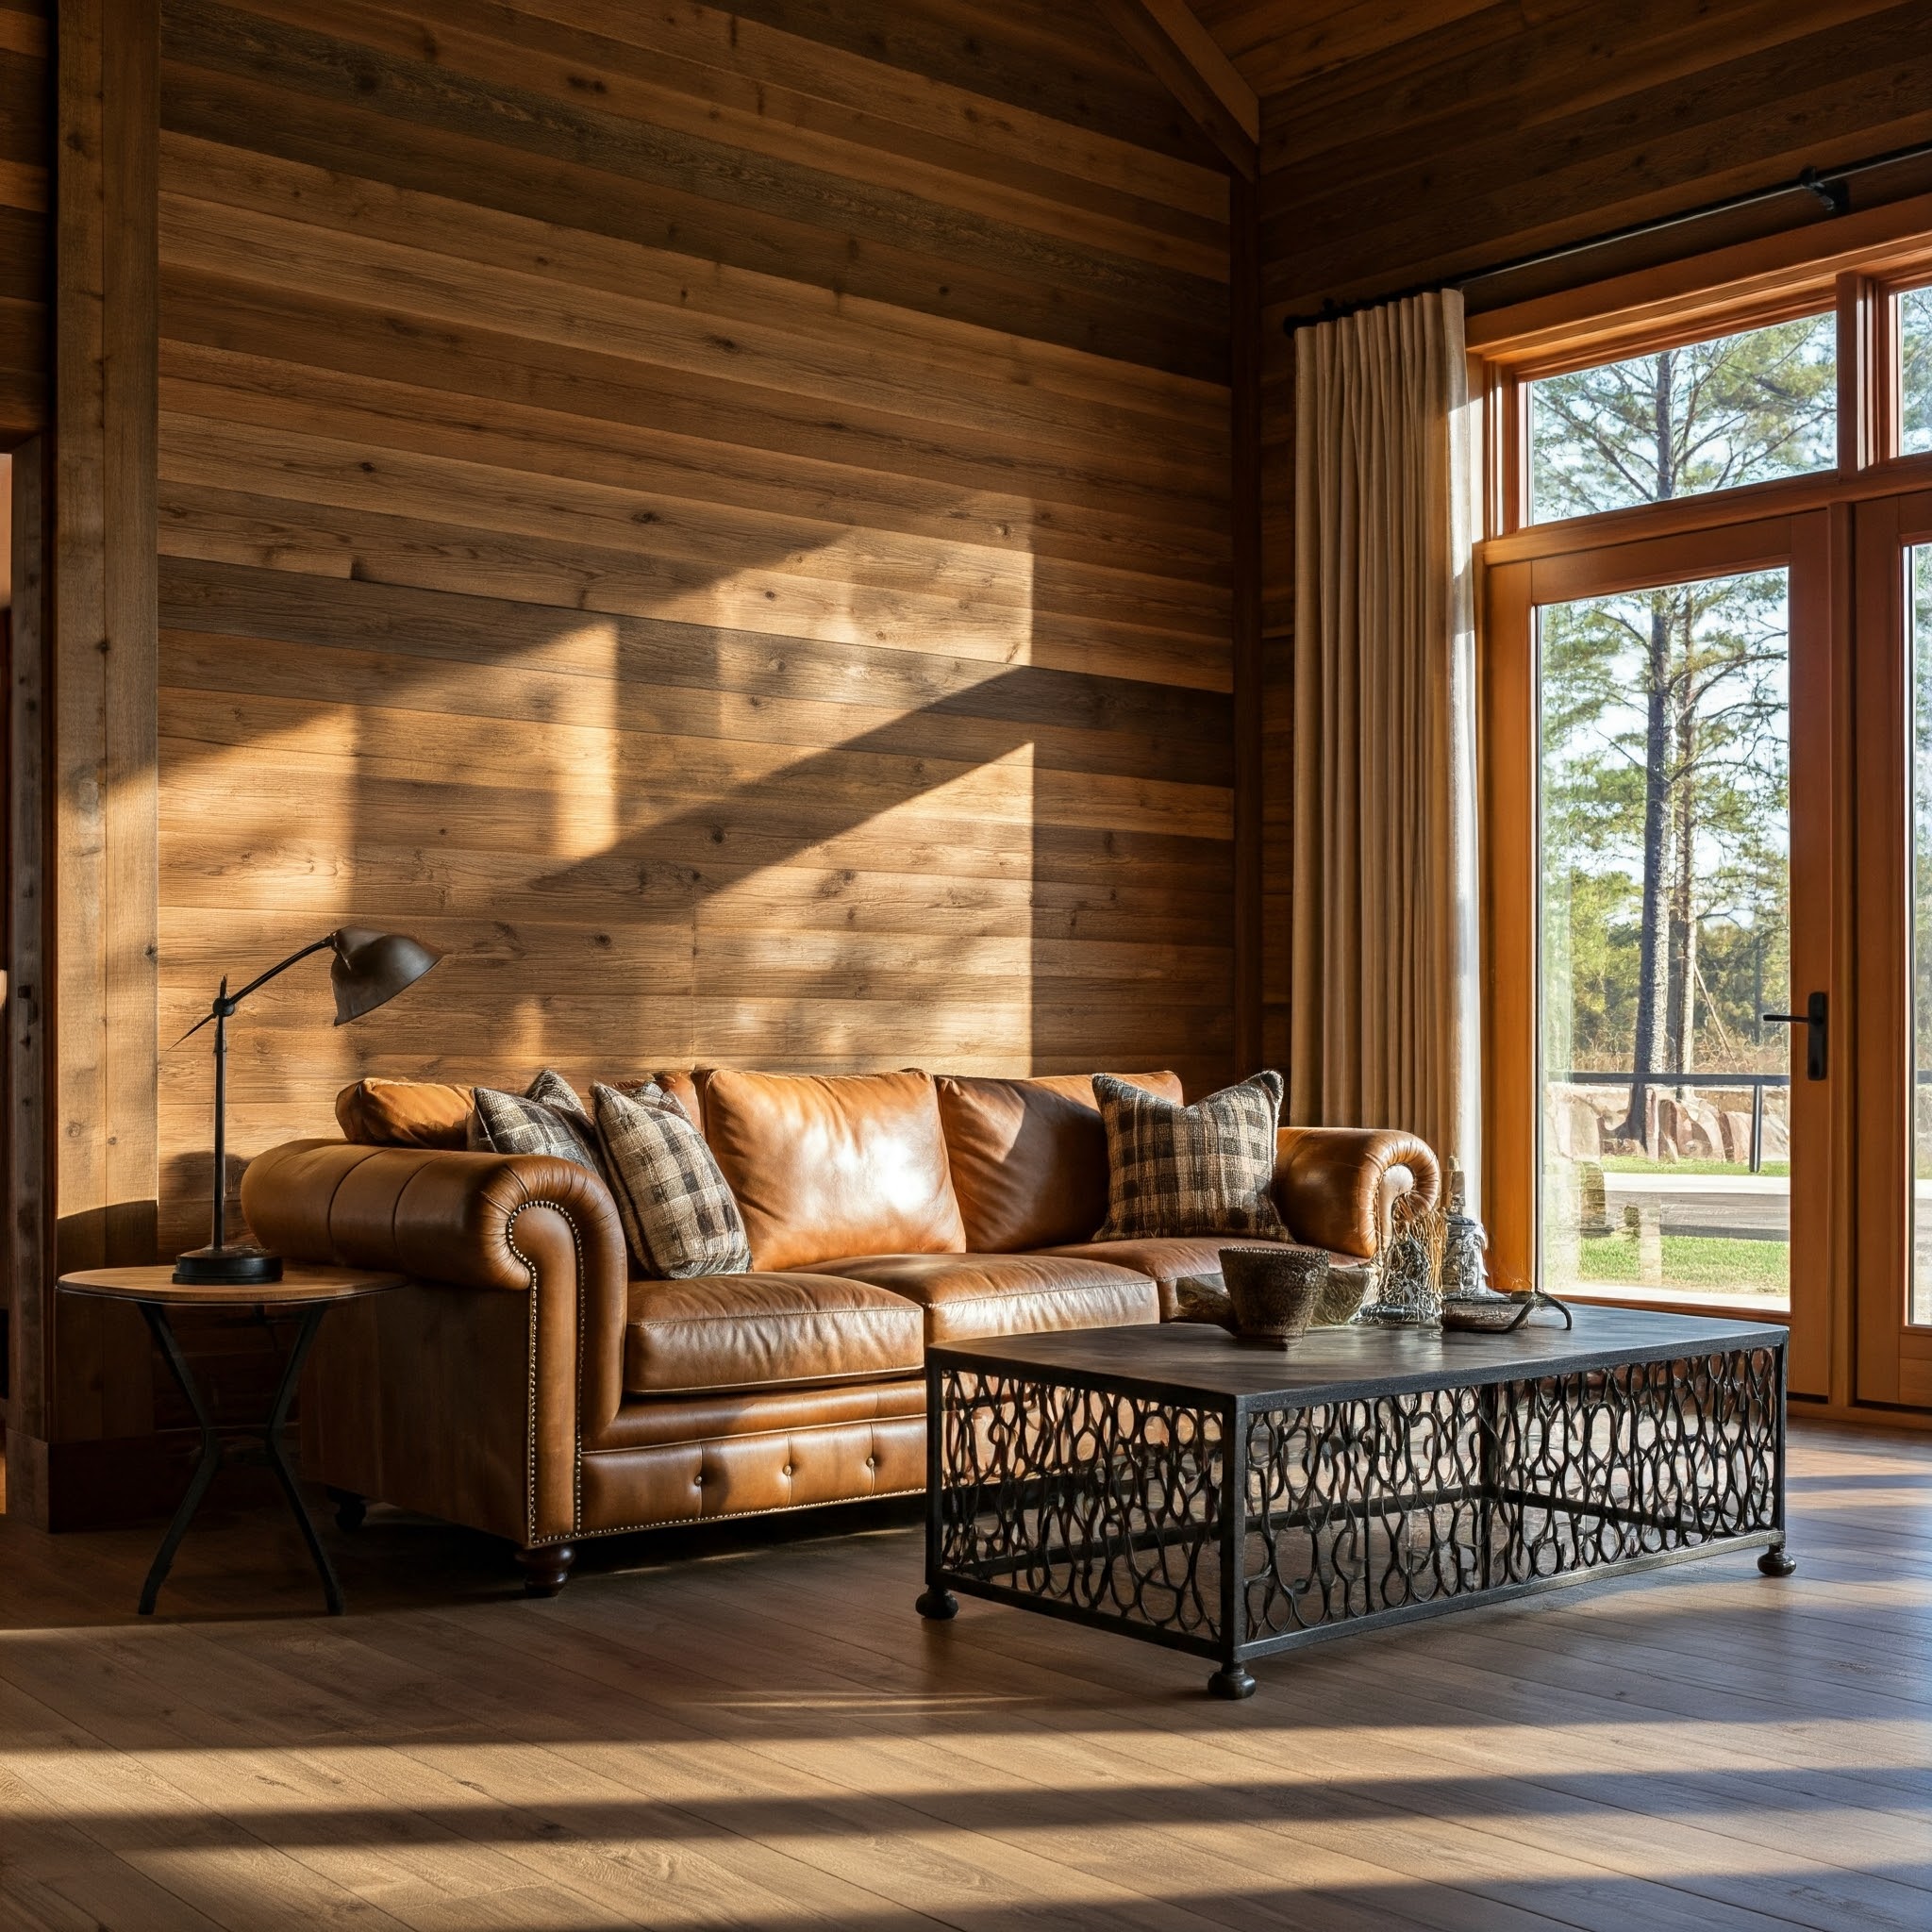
x,y
1915,383
1718,415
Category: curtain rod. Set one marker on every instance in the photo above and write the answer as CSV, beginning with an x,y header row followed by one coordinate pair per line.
x,y
1828,185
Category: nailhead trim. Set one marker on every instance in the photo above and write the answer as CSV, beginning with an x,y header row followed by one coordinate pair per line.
x,y
509,1236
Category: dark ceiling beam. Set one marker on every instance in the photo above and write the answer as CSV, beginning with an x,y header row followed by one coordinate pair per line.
x,y
1187,57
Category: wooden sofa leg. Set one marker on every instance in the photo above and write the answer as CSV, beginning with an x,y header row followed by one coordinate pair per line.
x,y
350,1507
546,1568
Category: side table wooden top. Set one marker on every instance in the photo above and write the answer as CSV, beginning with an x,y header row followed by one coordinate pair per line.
x,y
300,1285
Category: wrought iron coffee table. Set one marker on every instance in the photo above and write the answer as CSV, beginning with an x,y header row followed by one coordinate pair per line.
x,y
1235,1500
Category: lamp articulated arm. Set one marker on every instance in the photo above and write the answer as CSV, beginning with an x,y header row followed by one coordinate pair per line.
x,y
369,969
224,1002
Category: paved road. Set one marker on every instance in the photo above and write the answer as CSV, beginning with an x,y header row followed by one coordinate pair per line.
x,y
1734,1207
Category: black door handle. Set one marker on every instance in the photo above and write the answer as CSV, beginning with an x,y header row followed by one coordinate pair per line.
x,y
1814,1020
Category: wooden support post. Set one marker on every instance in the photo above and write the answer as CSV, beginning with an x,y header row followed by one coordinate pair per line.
x,y
97,1029
26,1243
1244,520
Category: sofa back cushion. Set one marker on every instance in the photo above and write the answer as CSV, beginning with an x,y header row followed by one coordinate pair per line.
x,y
1028,1158
826,1167
405,1113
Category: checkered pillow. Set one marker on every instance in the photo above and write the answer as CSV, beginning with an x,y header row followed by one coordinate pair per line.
x,y
1200,1170
679,1215
548,1118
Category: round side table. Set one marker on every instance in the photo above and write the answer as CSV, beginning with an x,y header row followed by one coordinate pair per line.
x,y
304,1293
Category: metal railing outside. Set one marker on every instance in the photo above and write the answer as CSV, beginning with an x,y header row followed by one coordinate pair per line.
x,y
1756,1082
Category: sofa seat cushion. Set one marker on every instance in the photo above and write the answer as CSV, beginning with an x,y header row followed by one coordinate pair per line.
x,y
966,1295
1167,1257
720,1332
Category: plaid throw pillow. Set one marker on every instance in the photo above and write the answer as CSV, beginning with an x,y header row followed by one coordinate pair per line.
x,y
548,1118
679,1215
1200,1170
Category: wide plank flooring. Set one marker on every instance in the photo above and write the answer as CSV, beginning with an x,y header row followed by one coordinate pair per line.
x,y
751,1728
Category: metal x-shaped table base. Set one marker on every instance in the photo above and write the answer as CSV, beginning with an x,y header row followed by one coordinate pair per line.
x,y
211,1457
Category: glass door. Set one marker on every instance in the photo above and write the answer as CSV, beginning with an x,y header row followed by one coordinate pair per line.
x,y
1673,841
1893,1343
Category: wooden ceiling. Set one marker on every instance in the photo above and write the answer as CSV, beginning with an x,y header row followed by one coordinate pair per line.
x,y
1277,44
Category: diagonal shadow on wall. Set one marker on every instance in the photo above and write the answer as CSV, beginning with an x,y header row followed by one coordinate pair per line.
x,y
983,875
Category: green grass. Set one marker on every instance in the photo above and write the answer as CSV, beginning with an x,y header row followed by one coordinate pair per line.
x,y
1693,1261
1639,1163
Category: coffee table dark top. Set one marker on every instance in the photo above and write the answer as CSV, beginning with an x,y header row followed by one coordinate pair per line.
x,y
1192,1360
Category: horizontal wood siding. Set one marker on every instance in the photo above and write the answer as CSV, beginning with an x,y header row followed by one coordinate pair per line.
x,y
718,520
1484,133
26,95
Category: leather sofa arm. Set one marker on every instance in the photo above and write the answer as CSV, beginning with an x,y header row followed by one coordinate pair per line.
x,y
1337,1187
436,1215
516,1223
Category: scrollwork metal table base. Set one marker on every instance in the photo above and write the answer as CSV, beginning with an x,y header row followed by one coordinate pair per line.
x,y
1237,1501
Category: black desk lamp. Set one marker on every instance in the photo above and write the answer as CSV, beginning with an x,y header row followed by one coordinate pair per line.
x,y
368,968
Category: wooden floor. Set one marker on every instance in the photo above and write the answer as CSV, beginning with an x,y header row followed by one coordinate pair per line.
x,y
757,1731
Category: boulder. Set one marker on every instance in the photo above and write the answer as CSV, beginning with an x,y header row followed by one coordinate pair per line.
x,y
1690,1127
1735,1129
1575,1130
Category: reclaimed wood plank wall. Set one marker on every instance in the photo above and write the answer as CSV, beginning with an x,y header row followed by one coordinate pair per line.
x,y
718,518
1406,143
27,96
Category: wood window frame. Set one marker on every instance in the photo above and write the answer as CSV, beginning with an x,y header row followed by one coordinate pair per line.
x,y
1855,266
1884,1216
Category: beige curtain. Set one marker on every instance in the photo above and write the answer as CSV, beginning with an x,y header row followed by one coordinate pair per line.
x,y
1383,956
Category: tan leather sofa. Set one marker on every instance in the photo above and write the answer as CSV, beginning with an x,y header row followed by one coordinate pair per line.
x,y
526,1384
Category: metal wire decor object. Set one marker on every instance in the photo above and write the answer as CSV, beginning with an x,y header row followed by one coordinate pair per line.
x,y
1235,1527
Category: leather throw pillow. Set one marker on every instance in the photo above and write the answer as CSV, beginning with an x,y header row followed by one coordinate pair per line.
x,y
547,1118
1200,1170
405,1113
679,1217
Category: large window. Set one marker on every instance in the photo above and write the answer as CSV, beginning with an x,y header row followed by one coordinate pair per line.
x,y
1708,753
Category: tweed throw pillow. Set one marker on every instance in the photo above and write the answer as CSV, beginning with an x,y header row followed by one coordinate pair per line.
x,y
547,1118
679,1216
1200,1170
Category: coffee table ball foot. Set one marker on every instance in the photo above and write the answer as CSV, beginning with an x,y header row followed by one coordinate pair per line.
x,y
1774,1562
938,1605
1232,1681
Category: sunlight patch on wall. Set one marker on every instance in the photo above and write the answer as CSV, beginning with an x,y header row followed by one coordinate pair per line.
x,y
902,939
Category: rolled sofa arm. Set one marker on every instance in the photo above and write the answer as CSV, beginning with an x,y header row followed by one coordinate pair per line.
x,y
1337,1187
472,1406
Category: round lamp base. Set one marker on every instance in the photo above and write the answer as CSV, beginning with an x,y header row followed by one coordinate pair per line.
x,y
226,1266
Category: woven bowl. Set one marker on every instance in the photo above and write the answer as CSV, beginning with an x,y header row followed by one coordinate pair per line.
x,y
1274,1290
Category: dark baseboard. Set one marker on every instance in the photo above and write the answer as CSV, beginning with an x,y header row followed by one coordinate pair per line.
x,y
120,1479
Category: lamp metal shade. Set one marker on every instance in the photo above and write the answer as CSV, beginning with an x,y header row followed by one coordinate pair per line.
x,y
369,968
